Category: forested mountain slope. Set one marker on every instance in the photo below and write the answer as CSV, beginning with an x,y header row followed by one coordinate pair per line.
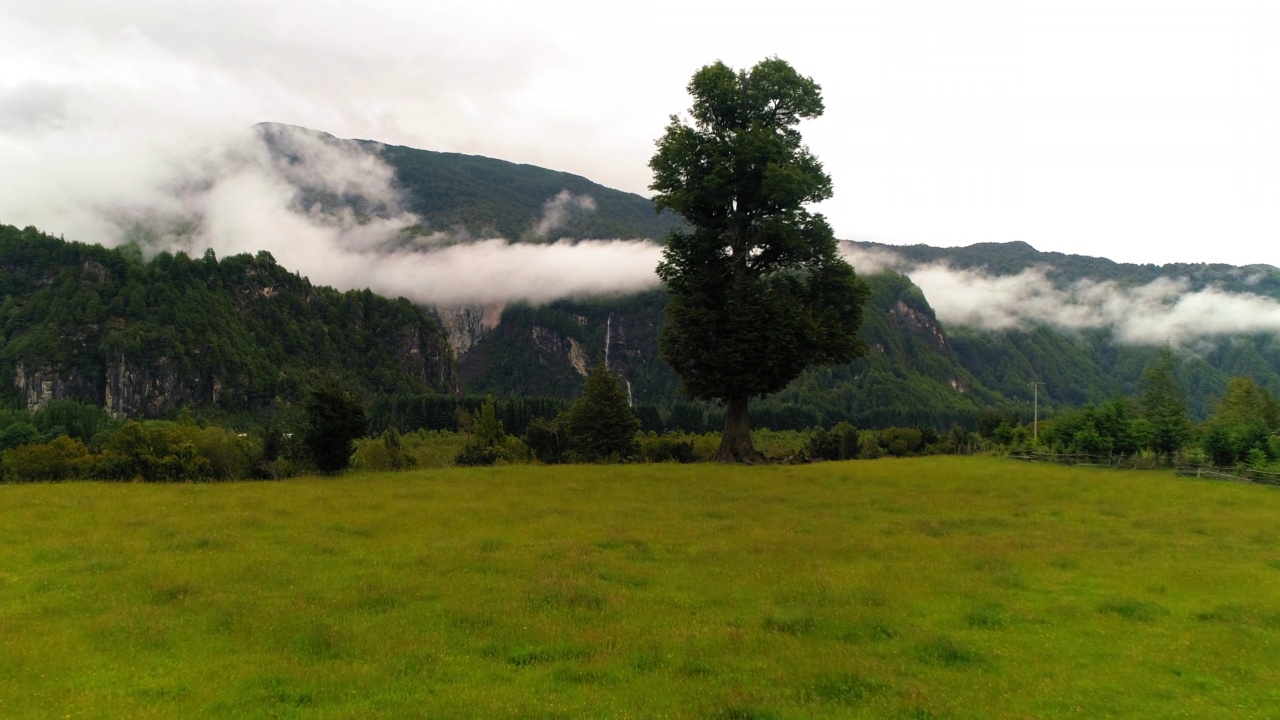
x,y
1010,258
477,197
244,334
241,334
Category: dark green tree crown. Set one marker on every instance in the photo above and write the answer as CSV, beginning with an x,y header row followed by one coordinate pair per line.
x,y
759,290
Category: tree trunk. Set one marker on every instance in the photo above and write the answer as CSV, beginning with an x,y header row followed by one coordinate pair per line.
x,y
735,443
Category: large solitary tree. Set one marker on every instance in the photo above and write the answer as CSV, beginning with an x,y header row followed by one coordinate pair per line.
x,y
758,288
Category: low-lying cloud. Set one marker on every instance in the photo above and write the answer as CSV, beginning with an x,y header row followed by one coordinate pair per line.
x,y
1164,310
328,209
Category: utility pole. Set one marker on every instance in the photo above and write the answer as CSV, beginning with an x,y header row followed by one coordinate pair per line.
x,y
1035,417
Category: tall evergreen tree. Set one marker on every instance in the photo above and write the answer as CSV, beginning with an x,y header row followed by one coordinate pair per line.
x,y
334,420
758,288
1164,405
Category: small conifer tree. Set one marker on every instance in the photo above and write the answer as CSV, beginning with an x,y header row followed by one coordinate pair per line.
x,y
600,425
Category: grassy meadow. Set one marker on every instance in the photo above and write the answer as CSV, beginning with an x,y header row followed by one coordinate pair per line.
x,y
919,588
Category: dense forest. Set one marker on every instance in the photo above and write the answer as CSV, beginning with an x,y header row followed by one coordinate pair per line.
x,y
918,372
241,334
244,336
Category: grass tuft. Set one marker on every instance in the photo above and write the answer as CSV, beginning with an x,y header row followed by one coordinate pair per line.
x,y
942,650
847,689
1130,609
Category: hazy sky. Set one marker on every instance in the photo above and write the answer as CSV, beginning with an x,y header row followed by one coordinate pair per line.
x,y
1140,131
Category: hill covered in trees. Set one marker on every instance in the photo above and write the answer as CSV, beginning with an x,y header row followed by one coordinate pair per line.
x,y
241,334
920,370
244,334
471,196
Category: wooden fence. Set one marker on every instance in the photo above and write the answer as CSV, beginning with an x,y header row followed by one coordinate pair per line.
x,y
1139,462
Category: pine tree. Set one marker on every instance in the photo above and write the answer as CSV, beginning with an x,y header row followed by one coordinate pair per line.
x,y
1164,405
600,425
334,420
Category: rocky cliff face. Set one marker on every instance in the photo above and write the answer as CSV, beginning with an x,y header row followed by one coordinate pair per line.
x,y
467,325
548,350
133,390
922,324
37,386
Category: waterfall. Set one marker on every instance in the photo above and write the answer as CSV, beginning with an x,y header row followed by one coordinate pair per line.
x,y
631,401
608,333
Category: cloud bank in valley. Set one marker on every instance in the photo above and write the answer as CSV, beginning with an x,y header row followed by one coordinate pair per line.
x,y
1164,310
149,142
236,195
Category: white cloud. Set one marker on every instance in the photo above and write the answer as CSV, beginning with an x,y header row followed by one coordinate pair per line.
x,y
1163,310
559,210
1128,128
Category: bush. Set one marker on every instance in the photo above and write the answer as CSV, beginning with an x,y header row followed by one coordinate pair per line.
x,y
476,455
385,452
62,458
901,442
868,445
822,445
19,433
544,439
668,448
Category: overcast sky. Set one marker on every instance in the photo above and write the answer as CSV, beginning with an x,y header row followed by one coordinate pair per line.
x,y
1139,131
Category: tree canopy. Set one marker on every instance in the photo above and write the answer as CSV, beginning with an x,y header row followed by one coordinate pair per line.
x,y
1164,404
335,418
600,425
758,288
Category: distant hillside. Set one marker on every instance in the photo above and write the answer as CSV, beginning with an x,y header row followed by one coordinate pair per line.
x,y
240,334
484,197
243,334
920,371
1013,257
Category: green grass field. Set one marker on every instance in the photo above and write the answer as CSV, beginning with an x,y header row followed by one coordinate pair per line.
x,y
923,588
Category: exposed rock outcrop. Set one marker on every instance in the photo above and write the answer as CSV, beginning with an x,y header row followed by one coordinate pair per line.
x,y
467,325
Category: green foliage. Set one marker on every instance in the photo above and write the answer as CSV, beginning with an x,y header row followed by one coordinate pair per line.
x,y
62,458
1164,405
73,418
385,452
1240,429
901,442
487,438
151,451
650,419
759,291
600,425
335,418
1112,427
687,417
841,443
667,448
545,438
240,334
429,411
488,428
467,194
19,433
